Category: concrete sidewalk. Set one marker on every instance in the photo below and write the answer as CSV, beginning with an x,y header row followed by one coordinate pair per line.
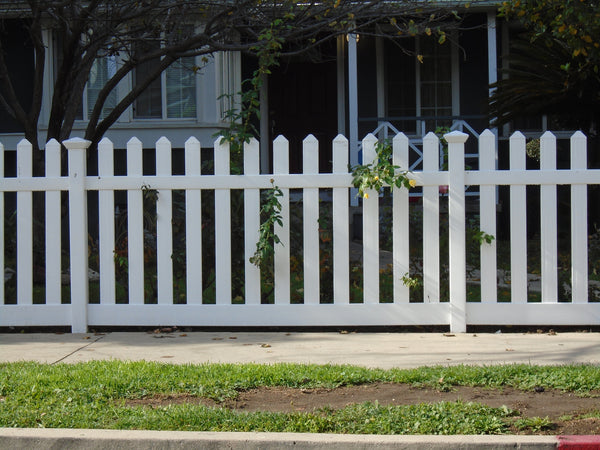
x,y
383,350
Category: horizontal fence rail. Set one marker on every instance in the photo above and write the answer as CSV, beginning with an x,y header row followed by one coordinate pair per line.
x,y
98,250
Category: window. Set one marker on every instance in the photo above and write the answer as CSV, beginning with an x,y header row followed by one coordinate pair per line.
x,y
103,69
170,96
420,82
435,83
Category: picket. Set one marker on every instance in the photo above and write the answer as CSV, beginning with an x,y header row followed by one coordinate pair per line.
x,y
2,248
251,224
281,166
372,309
106,225
340,226
431,223
193,225
579,223
518,223
400,220
370,230
135,225
548,214
222,227
487,219
53,223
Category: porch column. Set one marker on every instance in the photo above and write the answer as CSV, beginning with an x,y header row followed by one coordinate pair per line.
x,y
264,124
492,52
353,105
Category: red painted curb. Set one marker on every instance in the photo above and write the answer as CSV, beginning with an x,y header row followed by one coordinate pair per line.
x,y
590,442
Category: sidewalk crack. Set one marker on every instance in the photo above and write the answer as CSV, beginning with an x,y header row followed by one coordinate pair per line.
x,y
78,350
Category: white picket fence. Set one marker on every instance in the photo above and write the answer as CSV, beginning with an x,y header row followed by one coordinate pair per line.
x,y
457,313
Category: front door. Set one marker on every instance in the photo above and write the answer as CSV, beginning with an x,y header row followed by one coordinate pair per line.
x,y
303,101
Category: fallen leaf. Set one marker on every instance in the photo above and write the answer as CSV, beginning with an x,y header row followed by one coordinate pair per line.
x,y
265,345
449,335
510,350
183,335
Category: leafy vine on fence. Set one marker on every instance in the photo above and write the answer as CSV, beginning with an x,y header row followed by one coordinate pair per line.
x,y
381,172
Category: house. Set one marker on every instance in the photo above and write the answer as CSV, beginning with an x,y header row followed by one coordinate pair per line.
x,y
354,85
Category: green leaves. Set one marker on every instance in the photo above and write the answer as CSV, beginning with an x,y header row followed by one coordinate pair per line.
x,y
271,211
380,173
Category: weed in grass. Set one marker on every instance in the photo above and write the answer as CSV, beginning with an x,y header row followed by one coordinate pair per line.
x,y
534,424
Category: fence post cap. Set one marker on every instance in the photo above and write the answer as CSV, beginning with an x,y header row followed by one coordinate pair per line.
x,y
456,137
76,143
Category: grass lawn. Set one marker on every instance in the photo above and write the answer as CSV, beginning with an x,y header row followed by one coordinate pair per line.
x,y
98,395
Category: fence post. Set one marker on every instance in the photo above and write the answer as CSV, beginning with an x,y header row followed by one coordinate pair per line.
x,y
78,233
456,220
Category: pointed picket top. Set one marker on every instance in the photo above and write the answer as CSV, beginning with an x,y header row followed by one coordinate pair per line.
x,y
340,139
431,152
192,141
163,141
105,142
370,138
431,136
310,139
548,151
578,135
548,135
487,133
517,135
400,138
400,151
487,150
23,142
52,142
340,154
280,139
517,151
368,149
134,141
220,142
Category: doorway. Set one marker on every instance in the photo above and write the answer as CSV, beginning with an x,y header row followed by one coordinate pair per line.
x,y
303,101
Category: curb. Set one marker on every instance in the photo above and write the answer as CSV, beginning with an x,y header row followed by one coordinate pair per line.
x,y
58,438
579,442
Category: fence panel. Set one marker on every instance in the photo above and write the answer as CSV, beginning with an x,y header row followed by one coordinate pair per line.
x,y
458,313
